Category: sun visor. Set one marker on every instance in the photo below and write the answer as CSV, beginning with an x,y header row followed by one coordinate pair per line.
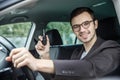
x,y
16,7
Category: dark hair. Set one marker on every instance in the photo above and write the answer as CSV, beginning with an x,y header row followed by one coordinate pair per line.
x,y
80,10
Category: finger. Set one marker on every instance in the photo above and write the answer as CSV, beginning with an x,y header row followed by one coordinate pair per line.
x,y
40,38
16,56
19,60
21,64
47,37
39,45
8,59
48,41
15,51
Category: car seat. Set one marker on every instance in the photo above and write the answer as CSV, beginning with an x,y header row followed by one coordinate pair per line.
x,y
109,29
54,37
55,42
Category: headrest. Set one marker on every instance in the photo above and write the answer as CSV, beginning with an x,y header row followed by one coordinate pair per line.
x,y
54,37
107,29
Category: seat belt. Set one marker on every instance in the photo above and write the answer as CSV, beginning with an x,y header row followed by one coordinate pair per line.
x,y
75,40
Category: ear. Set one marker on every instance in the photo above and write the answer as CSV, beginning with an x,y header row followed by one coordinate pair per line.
x,y
96,24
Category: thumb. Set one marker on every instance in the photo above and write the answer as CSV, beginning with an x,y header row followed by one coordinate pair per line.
x,y
8,58
48,41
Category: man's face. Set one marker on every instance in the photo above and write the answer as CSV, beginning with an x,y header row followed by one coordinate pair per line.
x,y
84,27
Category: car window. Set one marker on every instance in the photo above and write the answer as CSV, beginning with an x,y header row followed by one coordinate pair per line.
x,y
17,33
65,31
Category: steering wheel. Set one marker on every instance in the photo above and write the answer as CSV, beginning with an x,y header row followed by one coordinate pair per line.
x,y
5,47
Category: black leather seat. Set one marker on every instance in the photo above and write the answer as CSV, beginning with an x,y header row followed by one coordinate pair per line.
x,y
55,42
57,49
109,30
54,37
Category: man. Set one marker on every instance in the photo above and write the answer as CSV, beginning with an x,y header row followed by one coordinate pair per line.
x,y
97,57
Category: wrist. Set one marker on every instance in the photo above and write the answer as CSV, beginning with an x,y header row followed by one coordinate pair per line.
x,y
44,56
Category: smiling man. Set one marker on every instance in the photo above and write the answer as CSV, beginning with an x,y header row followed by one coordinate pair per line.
x,y
96,58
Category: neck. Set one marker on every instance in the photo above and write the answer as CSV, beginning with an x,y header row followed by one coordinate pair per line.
x,y
88,45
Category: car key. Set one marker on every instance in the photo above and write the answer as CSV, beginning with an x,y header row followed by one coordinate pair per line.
x,y
44,41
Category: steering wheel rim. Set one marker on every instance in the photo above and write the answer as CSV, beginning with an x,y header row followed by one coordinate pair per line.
x,y
8,46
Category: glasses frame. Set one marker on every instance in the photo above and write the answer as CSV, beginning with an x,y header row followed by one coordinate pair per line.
x,y
77,27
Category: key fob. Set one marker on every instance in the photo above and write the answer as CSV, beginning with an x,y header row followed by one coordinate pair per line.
x,y
44,41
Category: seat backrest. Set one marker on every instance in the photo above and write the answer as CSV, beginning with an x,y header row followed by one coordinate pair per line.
x,y
54,37
55,41
57,49
109,30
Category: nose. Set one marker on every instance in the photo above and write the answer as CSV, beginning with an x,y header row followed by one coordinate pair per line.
x,y
82,29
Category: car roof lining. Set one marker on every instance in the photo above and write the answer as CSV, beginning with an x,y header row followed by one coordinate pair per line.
x,y
58,10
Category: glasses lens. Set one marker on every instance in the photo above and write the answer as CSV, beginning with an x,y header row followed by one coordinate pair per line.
x,y
76,27
86,24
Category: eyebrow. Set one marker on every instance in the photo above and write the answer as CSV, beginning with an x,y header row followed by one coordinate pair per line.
x,y
82,22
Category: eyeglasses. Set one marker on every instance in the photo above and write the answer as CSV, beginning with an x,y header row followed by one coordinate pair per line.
x,y
85,25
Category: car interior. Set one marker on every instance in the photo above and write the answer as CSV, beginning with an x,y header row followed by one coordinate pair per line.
x,y
39,13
